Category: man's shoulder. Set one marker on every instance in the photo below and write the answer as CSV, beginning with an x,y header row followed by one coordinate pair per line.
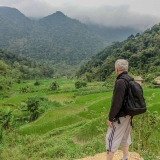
x,y
121,81
124,77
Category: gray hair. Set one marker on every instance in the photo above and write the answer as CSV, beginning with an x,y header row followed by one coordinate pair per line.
x,y
121,65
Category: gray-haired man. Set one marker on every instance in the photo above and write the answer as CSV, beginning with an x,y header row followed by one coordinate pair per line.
x,y
118,122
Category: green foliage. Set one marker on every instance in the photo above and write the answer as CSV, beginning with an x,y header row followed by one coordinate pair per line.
x,y
142,52
19,67
5,86
71,125
90,130
143,128
6,121
33,108
80,84
148,146
27,89
3,68
37,83
53,86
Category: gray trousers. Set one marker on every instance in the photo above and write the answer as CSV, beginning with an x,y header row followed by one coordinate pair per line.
x,y
118,134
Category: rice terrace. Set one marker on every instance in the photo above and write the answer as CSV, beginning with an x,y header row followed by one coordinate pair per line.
x,y
68,123
57,76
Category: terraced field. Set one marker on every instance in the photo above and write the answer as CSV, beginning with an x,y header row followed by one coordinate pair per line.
x,y
73,129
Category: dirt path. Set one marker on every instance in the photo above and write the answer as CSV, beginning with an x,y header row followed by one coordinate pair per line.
x,y
117,156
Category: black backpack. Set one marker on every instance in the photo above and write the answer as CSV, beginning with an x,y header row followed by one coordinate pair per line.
x,y
134,102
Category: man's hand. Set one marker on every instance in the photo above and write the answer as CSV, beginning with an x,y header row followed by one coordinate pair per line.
x,y
109,123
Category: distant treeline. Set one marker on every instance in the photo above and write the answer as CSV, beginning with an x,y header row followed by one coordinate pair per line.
x,y
19,67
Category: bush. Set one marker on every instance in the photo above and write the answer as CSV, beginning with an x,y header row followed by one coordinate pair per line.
x,y
53,86
79,84
37,83
143,128
1,87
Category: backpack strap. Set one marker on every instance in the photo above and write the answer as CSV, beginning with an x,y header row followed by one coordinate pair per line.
x,y
127,80
127,89
127,83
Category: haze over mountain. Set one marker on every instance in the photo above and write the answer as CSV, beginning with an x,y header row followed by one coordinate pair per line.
x,y
55,38
135,14
111,34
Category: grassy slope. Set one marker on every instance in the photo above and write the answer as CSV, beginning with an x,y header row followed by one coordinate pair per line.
x,y
79,110
69,131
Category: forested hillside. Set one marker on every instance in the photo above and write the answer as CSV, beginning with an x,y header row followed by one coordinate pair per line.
x,y
111,34
58,39
18,67
142,51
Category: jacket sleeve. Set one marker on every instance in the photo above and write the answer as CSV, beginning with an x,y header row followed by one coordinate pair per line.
x,y
117,99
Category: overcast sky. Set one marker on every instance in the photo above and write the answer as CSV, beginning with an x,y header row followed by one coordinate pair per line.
x,y
134,13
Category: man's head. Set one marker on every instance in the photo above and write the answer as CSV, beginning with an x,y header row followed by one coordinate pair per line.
x,y
121,65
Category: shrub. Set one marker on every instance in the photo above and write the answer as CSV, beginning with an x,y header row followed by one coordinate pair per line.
x,y
36,83
53,86
79,84
143,128
1,87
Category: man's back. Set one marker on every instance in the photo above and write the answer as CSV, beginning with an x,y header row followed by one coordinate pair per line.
x,y
119,95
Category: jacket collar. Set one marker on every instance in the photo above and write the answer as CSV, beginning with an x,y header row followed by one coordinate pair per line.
x,y
125,72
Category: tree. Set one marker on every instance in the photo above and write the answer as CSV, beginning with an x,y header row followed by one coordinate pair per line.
x,y
131,37
32,107
3,68
5,119
79,84
53,86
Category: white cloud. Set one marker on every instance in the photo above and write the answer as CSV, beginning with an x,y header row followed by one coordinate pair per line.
x,y
115,16
133,13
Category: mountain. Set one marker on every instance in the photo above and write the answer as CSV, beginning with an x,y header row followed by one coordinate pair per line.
x,y
142,51
70,40
12,14
57,39
13,26
111,34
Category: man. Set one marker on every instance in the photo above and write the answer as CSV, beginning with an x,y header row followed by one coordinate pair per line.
x,y
118,123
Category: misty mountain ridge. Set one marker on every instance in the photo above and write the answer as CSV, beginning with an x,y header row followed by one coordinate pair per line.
x,y
12,14
56,38
111,34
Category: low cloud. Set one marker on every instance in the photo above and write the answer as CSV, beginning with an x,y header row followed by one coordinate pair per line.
x,y
119,16
112,16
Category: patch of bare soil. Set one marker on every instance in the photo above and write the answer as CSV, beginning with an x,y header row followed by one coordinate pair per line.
x,y
118,156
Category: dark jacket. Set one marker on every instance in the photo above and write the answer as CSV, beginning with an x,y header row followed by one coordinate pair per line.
x,y
118,97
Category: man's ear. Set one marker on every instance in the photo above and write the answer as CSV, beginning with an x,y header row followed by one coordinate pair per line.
x,y
116,70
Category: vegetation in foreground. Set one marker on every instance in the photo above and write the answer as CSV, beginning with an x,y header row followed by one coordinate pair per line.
x,y
56,120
